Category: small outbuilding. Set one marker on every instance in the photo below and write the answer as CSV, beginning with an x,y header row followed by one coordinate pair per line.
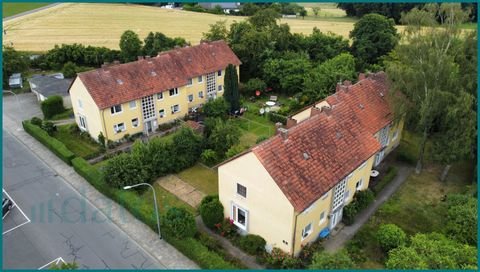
x,y
45,86
15,81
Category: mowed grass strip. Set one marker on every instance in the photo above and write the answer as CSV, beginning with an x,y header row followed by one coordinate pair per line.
x,y
10,9
202,178
102,25
74,142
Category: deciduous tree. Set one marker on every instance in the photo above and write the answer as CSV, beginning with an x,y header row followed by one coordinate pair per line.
x,y
130,46
218,31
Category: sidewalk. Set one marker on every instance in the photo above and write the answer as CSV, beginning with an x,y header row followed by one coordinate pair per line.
x,y
245,259
135,229
336,242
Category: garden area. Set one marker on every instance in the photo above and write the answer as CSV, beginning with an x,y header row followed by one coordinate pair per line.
x,y
423,204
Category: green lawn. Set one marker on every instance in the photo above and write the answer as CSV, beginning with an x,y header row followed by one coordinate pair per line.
x,y
202,178
165,200
416,207
67,114
78,145
10,9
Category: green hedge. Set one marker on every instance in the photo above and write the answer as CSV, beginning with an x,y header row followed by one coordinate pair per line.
x,y
205,258
92,175
277,118
51,143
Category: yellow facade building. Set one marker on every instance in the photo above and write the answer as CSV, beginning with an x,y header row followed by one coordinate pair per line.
x,y
137,97
291,189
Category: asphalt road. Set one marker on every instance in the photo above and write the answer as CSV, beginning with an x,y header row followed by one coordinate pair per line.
x,y
52,219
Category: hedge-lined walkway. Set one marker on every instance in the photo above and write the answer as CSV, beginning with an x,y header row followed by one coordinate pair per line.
x,y
245,259
336,242
138,231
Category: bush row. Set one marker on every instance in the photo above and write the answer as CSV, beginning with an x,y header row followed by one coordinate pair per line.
x,y
277,118
51,143
360,201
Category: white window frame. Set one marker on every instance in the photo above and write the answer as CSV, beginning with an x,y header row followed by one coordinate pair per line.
x,y
80,118
173,108
116,130
160,114
220,88
219,73
133,124
175,92
190,82
188,98
305,232
114,111
200,79
160,96
234,211
322,218
359,184
130,104
200,94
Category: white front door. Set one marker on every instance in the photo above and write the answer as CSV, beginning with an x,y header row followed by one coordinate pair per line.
x,y
335,218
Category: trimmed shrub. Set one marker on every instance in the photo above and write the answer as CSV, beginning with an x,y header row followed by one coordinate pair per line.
x,y
216,108
349,213
364,198
49,127
52,106
101,139
211,211
226,228
36,121
178,223
124,170
339,260
91,174
194,250
252,244
209,157
51,143
390,236
277,118
187,148
278,259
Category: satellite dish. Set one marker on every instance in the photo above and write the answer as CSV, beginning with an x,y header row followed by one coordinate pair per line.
x,y
267,110
262,110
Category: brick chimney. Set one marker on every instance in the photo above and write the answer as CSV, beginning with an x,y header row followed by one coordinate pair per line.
x,y
347,83
115,62
283,132
291,123
139,57
361,76
315,111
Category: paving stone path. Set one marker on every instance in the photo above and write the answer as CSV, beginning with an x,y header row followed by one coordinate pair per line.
x,y
182,190
339,239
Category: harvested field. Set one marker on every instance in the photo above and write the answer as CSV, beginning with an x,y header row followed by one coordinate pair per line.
x,y
102,24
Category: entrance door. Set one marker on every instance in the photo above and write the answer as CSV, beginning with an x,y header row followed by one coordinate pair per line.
x,y
336,218
148,127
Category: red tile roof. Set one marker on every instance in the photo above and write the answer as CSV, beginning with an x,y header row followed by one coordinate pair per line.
x,y
368,99
126,82
335,142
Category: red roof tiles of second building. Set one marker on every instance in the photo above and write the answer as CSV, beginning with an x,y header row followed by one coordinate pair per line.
x,y
317,154
126,82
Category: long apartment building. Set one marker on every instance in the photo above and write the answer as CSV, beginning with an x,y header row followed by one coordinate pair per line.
x,y
134,97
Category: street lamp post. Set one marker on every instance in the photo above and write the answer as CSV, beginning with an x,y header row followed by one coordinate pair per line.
x,y
154,200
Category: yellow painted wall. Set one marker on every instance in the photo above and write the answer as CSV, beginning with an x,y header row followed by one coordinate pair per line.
x,y
89,109
104,121
395,127
303,115
312,214
270,213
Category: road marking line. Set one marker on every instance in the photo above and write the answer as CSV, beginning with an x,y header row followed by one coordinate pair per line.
x,y
56,261
15,205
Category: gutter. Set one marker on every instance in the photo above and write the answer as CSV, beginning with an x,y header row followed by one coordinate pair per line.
x,y
294,232
103,125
